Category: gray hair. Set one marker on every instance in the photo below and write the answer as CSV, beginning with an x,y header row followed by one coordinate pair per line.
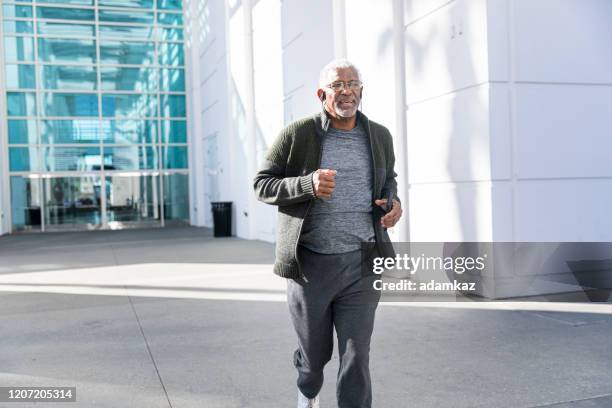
x,y
335,65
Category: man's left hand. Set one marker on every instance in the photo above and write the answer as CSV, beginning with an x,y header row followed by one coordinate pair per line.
x,y
393,216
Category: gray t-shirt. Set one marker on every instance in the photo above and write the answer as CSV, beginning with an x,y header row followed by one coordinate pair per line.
x,y
340,223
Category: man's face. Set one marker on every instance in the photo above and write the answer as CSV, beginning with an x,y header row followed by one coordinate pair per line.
x,y
342,103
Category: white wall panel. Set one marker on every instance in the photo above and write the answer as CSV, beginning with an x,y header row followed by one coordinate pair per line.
x,y
299,103
211,36
501,212
563,40
299,17
302,62
500,137
564,210
267,77
415,9
268,69
307,39
448,138
372,51
497,40
563,131
449,212
447,50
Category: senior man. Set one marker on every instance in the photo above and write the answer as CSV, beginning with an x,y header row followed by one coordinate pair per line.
x,y
328,174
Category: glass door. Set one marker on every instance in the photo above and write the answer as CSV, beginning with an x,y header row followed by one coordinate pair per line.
x,y
72,202
132,200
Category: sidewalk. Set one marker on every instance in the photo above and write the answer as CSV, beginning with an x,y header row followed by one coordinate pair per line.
x,y
177,318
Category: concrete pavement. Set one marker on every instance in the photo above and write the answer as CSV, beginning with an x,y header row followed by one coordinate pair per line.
x,y
177,318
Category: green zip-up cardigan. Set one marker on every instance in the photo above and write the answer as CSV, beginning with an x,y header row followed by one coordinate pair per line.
x,y
285,180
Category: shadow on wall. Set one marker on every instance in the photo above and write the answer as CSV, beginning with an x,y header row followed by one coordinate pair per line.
x,y
464,147
463,119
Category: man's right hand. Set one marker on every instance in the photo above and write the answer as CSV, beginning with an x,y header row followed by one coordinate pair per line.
x,y
323,182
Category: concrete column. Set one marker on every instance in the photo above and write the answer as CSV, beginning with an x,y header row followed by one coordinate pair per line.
x,y
339,26
400,140
194,27
249,105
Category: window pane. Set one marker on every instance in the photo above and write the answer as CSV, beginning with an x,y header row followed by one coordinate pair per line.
x,y
10,11
171,34
170,4
69,131
22,131
128,105
67,29
61,104
130,158
127,3
129,131
172,105
132,198
170,18
123,52
20,76
17,27
21,103
72,202
172,80
63,13
171,54
57,158
127,32
126,16
176,197
57,50
25,203
174,131
174,157
66,77
19,48
128,79
23,159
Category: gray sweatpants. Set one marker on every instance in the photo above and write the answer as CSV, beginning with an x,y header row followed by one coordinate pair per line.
x,y
333,293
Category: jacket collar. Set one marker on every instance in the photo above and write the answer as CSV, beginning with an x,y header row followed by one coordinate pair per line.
x,y
323,120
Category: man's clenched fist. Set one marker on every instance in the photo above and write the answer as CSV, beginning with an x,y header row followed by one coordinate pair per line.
x,y
323,182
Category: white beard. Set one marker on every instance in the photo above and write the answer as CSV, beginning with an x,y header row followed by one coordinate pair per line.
x,y
345,113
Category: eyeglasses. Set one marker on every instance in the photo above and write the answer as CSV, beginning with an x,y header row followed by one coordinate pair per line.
x,y
339,86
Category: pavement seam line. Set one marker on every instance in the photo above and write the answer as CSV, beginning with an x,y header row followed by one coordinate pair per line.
x,y
572,401
149,351
146,341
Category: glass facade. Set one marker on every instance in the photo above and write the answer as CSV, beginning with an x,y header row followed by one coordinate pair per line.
x,y
95,113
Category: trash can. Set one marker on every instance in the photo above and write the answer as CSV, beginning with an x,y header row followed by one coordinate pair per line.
x,y
222,218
